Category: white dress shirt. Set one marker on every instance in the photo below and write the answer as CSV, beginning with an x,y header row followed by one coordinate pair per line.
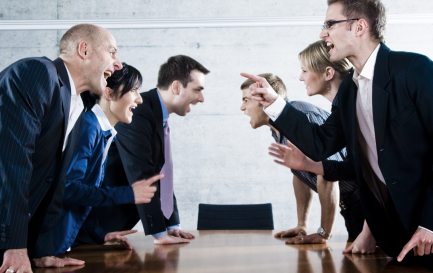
x,y
105,126
364,111
75,109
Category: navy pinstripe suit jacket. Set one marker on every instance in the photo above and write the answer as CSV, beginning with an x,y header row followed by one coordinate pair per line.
x,y
34,97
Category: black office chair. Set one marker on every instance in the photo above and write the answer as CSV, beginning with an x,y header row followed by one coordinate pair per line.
x,y
220,217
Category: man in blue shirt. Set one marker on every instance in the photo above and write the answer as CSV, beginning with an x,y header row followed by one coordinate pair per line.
x,y
142,149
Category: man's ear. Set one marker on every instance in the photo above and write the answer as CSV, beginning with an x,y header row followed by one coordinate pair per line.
x,y
82,49
362,26
176,86
329,73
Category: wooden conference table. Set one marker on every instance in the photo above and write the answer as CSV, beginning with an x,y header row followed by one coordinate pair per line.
x,y
228,251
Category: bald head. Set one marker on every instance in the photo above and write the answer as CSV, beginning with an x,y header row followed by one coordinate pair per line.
x,y
87,32
90,54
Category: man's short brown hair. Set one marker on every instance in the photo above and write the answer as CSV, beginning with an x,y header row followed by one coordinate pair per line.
x,y
275,81
371,10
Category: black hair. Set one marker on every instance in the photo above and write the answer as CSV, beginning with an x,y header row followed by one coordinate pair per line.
x,y
121,81
178,68
124,80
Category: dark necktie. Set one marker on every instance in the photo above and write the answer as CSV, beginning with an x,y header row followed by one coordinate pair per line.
x,y
167,181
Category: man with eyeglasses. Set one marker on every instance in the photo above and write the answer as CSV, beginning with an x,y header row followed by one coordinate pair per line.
x,y
383,114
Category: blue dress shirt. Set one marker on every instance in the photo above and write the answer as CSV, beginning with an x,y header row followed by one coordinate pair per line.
x,y
165,115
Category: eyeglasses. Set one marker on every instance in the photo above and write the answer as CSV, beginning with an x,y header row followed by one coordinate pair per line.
x,y
328,24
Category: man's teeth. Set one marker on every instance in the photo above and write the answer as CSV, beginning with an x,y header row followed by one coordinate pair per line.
x,y
107,74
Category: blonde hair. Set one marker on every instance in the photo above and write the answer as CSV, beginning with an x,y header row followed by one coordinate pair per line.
x,y
316,58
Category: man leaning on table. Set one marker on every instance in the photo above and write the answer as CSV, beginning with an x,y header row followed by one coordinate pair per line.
x,y
143,148
39,105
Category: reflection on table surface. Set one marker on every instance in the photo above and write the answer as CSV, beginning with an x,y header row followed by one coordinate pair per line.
x,y
228,251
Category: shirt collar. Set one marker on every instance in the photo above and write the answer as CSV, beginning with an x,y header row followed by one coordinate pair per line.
x,y
163,108
103,120
71,83
368,70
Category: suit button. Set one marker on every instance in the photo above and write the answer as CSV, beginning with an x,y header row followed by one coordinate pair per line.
x,y
393,182
381,149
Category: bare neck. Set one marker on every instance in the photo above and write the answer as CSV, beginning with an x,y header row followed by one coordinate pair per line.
x,y
362,54
75,72
167,98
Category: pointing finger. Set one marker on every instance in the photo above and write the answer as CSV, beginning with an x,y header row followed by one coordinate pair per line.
x,y
153,179
405,250
252,77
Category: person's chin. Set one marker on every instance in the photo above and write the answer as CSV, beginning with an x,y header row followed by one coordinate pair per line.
x,y
102,86
99,90
186,111
127,118
181,113
334,56
311,93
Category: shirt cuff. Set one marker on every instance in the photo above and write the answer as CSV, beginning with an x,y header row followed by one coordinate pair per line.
x,y
159,235
425,229
173,227
274,110
164,233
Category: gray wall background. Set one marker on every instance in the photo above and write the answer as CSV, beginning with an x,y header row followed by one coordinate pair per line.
x,y
218,157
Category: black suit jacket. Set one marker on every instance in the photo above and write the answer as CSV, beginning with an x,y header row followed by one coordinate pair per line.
x,y
138,153
403,122
34,97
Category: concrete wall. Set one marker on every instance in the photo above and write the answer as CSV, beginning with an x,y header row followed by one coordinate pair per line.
x,y
218,157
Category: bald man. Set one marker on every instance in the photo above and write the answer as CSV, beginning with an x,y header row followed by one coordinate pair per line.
x,y
39,105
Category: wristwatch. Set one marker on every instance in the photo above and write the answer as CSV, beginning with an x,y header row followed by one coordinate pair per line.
x,y
322,232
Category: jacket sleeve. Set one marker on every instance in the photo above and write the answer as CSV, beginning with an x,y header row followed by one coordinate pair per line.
x,y
338,170
25,91
316,141
79,190
421,88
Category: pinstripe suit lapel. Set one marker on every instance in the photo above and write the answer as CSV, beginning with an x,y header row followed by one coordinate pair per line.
x,y
65,91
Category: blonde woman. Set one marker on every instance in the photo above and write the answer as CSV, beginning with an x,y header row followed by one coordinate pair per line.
x,y
321,77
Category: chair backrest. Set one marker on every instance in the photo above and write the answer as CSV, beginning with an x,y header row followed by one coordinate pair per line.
x,y
245,216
